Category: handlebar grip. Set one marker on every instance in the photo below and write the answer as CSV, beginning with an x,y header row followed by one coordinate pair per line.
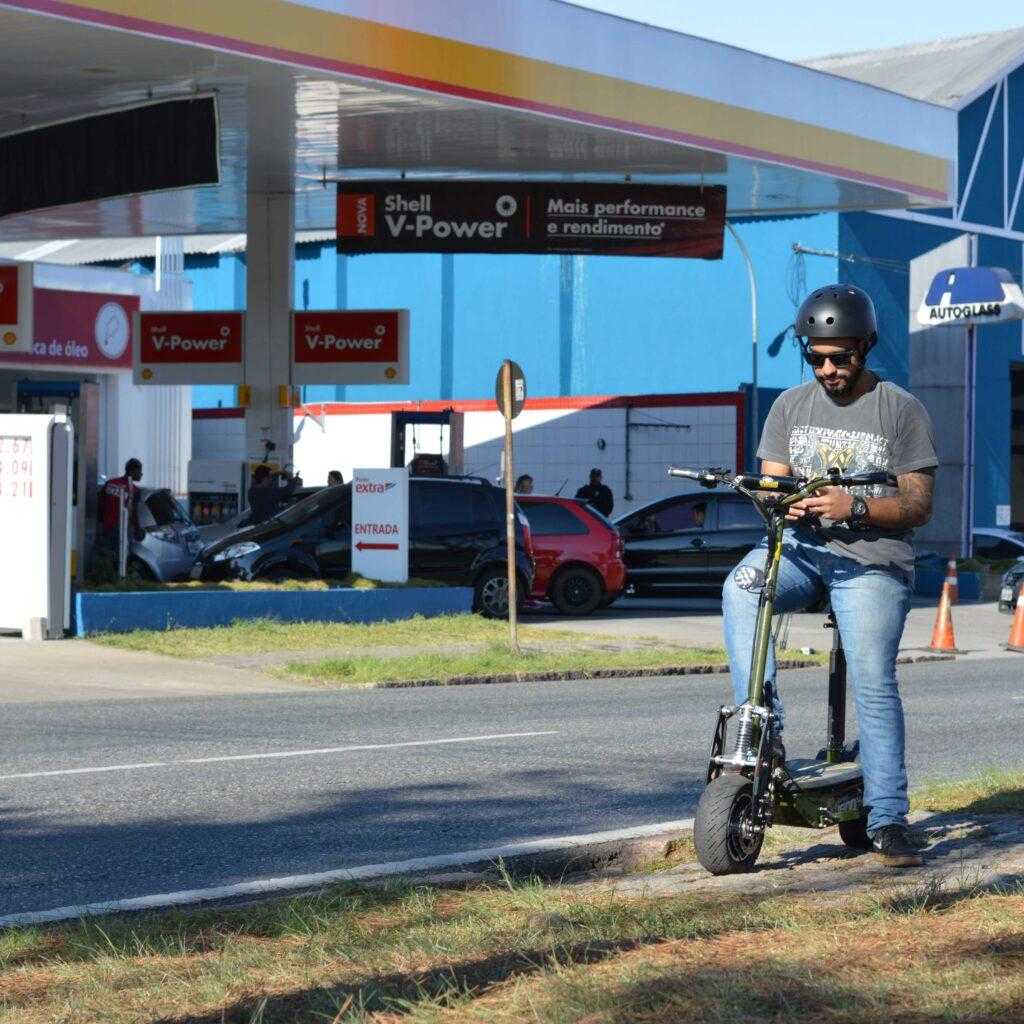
x,y
764,482
881,477
689,474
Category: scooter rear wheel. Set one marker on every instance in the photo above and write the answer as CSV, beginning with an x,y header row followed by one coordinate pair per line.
x,y
723,835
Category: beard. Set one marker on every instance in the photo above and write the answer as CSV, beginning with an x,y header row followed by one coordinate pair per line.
x,y
839,387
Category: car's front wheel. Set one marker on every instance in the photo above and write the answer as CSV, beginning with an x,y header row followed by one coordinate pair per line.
x,y
279,574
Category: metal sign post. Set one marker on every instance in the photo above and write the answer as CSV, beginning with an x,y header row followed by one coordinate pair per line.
x,y
122,534
511,394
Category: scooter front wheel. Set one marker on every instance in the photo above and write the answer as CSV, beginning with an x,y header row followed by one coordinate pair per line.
x,y
723,831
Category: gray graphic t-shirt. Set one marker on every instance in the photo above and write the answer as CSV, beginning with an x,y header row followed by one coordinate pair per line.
x,y
886,429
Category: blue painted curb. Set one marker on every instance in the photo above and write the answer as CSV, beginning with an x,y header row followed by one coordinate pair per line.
x,y
124,612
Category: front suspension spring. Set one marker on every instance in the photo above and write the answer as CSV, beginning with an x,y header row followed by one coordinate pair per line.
x,y
744,734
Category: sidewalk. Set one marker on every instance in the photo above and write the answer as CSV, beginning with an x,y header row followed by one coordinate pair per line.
x,y
80,670
980,628
64,670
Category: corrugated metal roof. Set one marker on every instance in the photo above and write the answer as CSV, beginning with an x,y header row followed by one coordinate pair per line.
x,y
76,251
943,71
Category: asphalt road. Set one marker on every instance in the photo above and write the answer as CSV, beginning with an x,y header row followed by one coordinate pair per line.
x,y
601,755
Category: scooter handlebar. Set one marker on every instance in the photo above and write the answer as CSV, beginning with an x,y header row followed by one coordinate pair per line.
x,y
862,479
705,477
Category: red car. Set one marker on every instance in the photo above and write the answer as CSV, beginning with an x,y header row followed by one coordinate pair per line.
x,y
577,553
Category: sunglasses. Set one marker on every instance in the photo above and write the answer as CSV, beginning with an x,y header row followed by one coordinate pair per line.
x,y
837,359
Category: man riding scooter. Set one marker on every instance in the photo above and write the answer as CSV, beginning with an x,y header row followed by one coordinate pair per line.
x,y
853,545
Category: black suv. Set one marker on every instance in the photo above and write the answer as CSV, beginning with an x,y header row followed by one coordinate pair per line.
x,y
457,536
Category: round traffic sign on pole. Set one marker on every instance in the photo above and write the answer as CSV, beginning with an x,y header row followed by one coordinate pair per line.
x,y
518,390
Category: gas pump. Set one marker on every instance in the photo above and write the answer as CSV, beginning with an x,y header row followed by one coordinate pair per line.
x,y
217,489
79,401
421,434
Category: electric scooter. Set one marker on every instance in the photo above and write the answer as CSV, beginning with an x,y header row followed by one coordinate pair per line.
x,y
753,786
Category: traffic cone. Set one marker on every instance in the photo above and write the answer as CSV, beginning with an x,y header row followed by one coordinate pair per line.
x,y
1016,640
942,632
953,582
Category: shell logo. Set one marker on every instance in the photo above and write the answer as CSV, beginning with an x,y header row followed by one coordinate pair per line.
x,y
147,374
10,338
391,373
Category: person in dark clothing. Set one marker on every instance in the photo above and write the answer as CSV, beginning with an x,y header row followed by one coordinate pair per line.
x,y
118,490
266,494
597,494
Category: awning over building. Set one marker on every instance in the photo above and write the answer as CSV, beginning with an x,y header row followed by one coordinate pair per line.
x,y
311,90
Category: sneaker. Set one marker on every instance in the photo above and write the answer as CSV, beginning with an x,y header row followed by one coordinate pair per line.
x,y
893,846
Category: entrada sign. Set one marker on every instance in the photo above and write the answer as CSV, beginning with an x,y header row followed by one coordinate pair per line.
x,y
354,346
531,217
188,348
380,524
962,296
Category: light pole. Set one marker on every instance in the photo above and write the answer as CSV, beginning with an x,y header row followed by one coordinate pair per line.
x,y
754,403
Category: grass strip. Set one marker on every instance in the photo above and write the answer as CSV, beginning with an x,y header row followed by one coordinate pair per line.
x,y
498,663
524,951
266,636
992,792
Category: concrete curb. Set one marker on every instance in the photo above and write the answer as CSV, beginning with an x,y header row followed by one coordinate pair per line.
x,y
123,612
602,673
626,850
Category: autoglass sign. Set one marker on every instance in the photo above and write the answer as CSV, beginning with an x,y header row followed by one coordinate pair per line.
x,y
971,295
531,217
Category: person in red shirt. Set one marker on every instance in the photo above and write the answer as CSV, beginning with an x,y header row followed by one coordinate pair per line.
x,y
110,503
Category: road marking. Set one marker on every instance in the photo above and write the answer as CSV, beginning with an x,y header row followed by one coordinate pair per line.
x,y
366,872
316,751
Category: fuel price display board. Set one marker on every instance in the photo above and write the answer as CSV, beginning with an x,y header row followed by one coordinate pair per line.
x,y
15,467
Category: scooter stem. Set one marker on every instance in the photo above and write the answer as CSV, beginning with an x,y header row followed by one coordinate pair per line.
x,y
762,639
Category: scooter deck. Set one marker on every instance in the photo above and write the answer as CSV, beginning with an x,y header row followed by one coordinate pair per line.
x,y
809,774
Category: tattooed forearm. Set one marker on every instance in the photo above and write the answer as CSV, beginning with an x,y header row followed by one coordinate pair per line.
x,y
915,497
911,507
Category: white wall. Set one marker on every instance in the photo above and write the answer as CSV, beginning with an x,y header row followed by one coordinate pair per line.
x,y
557,447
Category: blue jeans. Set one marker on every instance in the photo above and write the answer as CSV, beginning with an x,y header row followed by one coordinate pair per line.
x,y
870,605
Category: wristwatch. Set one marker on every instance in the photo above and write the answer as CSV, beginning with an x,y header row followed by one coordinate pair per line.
x,y
858,517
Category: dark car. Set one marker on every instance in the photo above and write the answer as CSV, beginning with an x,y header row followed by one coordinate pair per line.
x,y
577,553
457,536
213,532
997,543
1012,585
688,540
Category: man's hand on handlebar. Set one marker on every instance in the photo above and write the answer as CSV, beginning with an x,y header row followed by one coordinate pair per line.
x,y
833,503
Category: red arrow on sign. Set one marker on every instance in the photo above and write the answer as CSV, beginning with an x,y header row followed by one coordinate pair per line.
x,y
363,546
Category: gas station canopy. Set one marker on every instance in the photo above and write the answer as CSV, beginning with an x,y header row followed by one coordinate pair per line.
x,y
311,91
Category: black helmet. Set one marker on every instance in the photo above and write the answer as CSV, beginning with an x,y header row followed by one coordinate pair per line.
x,y
837,311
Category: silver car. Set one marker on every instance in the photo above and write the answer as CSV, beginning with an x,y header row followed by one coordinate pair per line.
x,y
170,542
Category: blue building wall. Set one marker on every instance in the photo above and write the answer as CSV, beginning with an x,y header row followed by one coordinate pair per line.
x,y
577,325
999,346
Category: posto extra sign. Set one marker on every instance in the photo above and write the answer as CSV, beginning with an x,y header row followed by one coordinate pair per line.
x,y
531,217
358,346
380,524
188,348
